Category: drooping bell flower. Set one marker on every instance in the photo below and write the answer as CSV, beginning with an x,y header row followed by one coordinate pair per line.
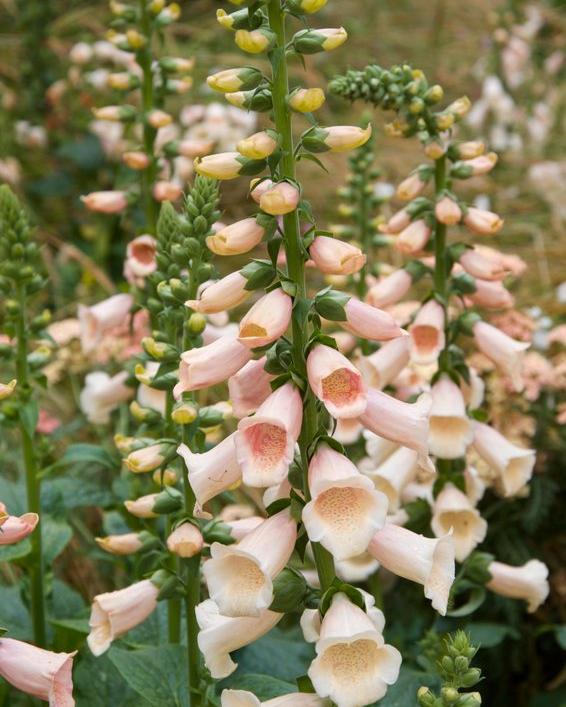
x,y
166,191
124,544
106,202
222,295
505,352
259,145
477,265
249,387
391,477
337,138
390,289
103,394
239,577
369,322
491,295
146,459
447,211
528,582
98,319
16,528
450,431
37,672
237,238
211,364
114,613
347,430
514,465
411,187
453,510
334,257
212,472
336,382
140,257
345,509
484,223
426,561
143,506
353,665
384,365
267,320
378,448
427,333
413,239
221,635
265,442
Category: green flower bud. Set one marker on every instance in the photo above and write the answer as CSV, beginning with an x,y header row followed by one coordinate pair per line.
x,y
312,41
196,323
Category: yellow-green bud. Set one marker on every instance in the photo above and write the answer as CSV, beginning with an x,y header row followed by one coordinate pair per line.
x,y
306,100
255,41
196,323
184,413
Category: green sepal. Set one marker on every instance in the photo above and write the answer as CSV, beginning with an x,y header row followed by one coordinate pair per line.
x,y
289,591
337,587
330,304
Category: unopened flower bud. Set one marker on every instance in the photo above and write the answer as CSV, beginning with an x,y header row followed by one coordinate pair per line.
x,y
460,107
232,80
184,413
159,350
196,323
434,149
146,459
447,211
159,118
259,145
169,14
255,41
306,100
338,138
227,165
239,19
6,389
177,65
449,695
444,121
123,81
165,477
434,94
168,501
469,150
282,198
135,39
185,541
115,114
135,160
312,41
308,7
126,544
260,101
106,202
142,414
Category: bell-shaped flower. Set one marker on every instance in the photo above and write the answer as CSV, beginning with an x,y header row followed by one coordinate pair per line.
x,y
336,382
485,223
239,577
528,582
243,698
447,211
474,392
146,459
411,187
491,295
140,256
259,145
224,165
391,477
266,320
427,561
404,423
505,352
513,465
427,333
16,528
378,448
221,296
347,430
249,387
166,191
37,672
143,506
389,289
221,635
356,569
212,472
453,510
103,394
345,509
211,364
369,322
114,613
413,239
124,544
450,430
95,321
265,442
237,238
185,541
337,138
382,367
477,265
353,665
334,257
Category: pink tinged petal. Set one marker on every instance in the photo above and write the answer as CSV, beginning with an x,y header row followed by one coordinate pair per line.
x,y
427,561
450,431
369,322
267,320
382,367
390,289
113,614
505,352
491,295
413,239
514,465
391,477
237,238
334,257
222,295
454,512
345,510
212,472
221,635
481,267
348,430
336,382
103,394
238,698
249,387
40,673
98,319
265,442
140,255
528,582
427,333
208,365
13,528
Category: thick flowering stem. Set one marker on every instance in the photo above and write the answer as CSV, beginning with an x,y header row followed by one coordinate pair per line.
x,y
440,256
295,259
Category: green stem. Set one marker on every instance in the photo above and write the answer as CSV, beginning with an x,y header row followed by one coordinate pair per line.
x,y
148,175
295,258
33,488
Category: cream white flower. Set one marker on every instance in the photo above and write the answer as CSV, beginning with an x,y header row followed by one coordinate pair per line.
x,y
450,430
528,582
391,477
453,511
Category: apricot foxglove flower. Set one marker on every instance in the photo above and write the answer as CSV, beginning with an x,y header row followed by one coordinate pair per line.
x,y
447,211
336,382
239,79
221,635
312,41
390,289
243,698
267,320
222,295
106,202
236,239
279,199
353,665
384,365
393,474
249,387
259,145
513,465
369,322
239,577
124,544
426,561
146,459
211,364
528,582
16,528
166,191
102,394
143,506
140,257
226,165
413,239
338,138
265,442
114,613
484,223
185,541
37,672
95,321
505,352
212,472
412,186
454,511
477,265
427,333
334,257
345,510
491,295
450,431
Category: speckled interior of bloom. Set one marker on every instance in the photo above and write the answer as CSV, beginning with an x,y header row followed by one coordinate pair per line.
x,y
267,443
342,508
341,387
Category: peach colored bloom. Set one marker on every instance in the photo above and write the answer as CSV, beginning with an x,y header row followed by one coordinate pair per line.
x,y
267,320
97,320
103,394
249,387
336,382
389,289
369,322
185,541
477,265
237,238
450,430
505,352
447,211
453,510
106,202
334,257
414,238
382,367
222,295
427,333
14,528
528,582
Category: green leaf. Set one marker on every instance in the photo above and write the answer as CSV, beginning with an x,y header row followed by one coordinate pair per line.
x,y
489,634
9,553
78,625
264,687
13,613
29,415
56,536
109,687
404,692
560,633
283,654
82,453
158,674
